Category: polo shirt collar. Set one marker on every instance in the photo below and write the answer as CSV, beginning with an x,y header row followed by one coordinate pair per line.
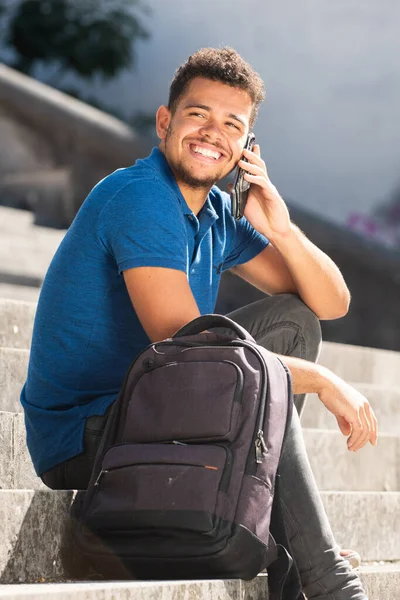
x,y
209,209
160,164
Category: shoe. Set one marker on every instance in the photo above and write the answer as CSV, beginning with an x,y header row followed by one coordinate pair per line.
x,y
352,556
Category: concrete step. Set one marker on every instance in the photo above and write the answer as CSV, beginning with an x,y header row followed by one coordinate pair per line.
x,y
33,533
334,467
364,365
368,522
13,370
16,469
16,291
33,530
16,323
384,400
381,582
26,249
369,469
142,590
174,590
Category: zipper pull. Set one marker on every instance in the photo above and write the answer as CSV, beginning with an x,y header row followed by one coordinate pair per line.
x,y
97,482
261,447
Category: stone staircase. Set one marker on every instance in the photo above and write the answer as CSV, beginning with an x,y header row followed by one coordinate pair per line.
x,y
361,491
25,254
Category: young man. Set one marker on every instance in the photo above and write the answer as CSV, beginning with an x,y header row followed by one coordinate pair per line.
x,y
144,256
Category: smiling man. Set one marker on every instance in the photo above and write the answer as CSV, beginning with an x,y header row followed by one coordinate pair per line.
x,y
144,256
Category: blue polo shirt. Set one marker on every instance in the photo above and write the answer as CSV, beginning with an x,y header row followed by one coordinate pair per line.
x,y
86,332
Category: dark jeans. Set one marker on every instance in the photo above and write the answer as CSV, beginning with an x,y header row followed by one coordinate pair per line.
x,y
282,324
74,474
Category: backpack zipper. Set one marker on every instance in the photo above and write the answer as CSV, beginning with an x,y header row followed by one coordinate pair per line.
x,y
140,464
225,476
238,394
260,446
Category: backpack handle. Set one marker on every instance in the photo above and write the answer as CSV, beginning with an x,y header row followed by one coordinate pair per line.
x,y
209,322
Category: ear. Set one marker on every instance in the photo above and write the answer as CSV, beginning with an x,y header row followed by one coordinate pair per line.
x,y
163,119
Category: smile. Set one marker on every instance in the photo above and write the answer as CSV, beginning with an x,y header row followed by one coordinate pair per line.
x,y
205,152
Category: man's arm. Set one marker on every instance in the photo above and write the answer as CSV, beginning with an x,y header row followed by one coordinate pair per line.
x,y
162,299
353,412
291,263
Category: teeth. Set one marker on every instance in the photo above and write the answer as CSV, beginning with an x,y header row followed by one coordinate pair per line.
x,y
206,152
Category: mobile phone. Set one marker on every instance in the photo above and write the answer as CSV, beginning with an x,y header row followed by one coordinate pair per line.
x,y
240,188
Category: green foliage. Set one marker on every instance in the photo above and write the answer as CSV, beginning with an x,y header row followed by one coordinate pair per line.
x,y
87,37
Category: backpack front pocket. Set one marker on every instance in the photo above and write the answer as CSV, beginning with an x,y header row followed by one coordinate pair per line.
x,y
185,401
159,487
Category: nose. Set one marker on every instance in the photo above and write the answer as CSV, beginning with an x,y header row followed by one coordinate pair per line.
x,y
211,130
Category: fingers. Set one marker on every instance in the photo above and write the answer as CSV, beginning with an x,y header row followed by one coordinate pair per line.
x,y
254,173
364,428
356,433
344,426
360,433
251,167
374,425
257,179
255,157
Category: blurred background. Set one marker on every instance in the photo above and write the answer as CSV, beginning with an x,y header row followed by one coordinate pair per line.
x,y
81,80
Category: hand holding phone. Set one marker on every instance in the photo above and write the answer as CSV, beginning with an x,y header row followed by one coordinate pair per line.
x,y
241,187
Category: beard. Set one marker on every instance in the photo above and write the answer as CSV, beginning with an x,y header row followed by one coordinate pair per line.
x,y
185,175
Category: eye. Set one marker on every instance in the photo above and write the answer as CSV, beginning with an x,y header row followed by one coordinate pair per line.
x,y
231,124
197,114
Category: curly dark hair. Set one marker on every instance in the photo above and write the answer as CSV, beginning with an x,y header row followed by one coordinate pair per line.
x,y
218,64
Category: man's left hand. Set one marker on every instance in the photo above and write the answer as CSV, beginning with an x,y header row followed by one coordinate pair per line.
x,y
265,209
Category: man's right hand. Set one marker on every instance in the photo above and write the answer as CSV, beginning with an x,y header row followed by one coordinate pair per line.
x,y
352,410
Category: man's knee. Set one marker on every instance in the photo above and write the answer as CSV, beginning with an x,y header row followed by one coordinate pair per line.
x,y
296,311
282,324
290,309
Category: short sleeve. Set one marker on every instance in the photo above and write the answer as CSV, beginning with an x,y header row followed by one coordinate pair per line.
x,y
142,226
244,242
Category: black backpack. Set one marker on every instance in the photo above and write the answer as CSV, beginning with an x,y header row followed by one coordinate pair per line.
x,y
184,479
